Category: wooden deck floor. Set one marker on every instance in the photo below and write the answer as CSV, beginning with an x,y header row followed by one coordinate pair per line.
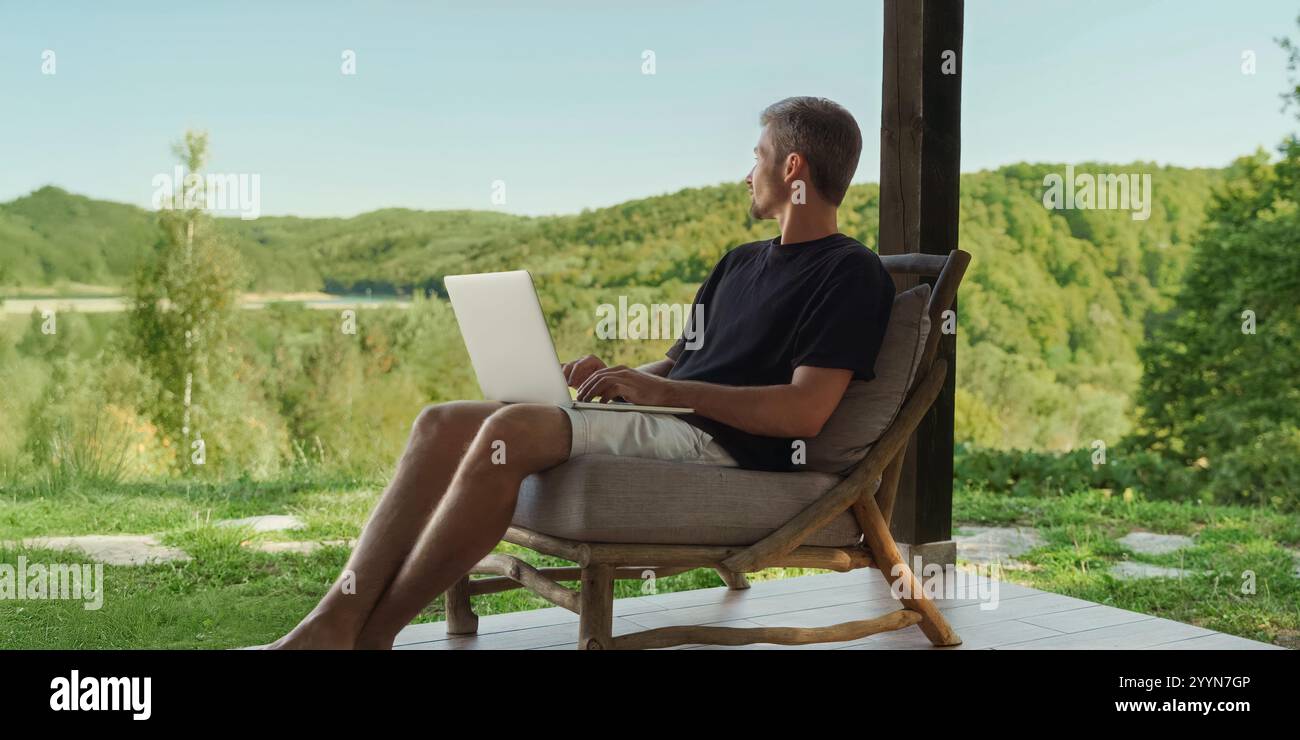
x,y
1024,618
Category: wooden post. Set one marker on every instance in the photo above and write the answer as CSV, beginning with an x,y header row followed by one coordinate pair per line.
x,y
596,613
920,155
461,619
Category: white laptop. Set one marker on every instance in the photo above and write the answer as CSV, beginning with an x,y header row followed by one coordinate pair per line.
x,y
510,346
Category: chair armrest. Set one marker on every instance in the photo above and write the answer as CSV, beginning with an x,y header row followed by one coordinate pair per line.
x,y
840,497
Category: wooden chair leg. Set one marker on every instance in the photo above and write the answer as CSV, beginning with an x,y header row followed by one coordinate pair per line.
x,y
735,581
889,560
461,619
596,608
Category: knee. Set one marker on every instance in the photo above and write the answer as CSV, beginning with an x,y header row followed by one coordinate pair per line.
x,y
522,437
510,424
440,418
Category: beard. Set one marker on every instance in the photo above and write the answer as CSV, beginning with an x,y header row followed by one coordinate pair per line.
x,y
765,208
757,210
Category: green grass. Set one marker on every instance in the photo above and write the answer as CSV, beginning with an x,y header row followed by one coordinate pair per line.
x,y
332,507
1231,542
229,595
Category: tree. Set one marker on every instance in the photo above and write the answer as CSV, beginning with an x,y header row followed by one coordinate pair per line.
x,y
1221,368
182,308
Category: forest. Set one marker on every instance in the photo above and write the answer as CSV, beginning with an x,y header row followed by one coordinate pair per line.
x,y
1070,326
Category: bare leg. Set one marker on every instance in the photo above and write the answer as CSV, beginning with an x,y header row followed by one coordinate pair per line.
x,y
438,439
473,515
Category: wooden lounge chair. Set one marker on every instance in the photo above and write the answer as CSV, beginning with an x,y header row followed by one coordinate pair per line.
x,y
806,519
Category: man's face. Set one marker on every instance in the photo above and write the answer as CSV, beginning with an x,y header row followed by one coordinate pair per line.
x,y
765,181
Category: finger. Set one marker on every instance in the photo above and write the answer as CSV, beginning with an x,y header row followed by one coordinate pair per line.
x,y
580,376
599,387
576,374
607,376
611,392
587,366
584,387
581,385
595,390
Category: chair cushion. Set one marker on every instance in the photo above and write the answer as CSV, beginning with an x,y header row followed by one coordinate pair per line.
x,y
869,406
610,498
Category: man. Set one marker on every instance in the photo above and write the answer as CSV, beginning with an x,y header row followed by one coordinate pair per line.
x,y
789,322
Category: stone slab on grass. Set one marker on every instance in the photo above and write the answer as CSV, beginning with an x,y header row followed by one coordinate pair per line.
x,y
1153,543
111,549
1131,570
989,545
265,523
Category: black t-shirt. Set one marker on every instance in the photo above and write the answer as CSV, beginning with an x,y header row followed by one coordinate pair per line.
x,y
770,307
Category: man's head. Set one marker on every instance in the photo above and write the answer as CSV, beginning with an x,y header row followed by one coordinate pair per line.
x,y
813,140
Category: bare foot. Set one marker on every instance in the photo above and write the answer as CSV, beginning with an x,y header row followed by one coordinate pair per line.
x,y
313,633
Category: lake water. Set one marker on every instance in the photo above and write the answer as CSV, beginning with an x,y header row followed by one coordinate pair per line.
x,y
112,304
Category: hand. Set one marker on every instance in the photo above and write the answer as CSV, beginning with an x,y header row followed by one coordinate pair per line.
x,y
576,371
629,384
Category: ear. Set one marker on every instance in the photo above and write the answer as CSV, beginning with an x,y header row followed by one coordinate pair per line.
x,y
794,164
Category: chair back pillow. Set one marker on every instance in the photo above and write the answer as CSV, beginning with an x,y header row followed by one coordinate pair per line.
x,y
869,406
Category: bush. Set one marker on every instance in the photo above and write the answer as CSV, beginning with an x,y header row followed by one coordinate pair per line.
x,y
77,435
1032,473
1265,472
23,381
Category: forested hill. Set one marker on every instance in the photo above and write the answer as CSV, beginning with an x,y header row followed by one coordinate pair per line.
x,y
1050,316
52,237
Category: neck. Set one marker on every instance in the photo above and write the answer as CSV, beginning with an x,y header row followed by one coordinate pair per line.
x,y
806,222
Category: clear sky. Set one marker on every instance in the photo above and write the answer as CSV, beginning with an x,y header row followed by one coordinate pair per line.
x,y
448,98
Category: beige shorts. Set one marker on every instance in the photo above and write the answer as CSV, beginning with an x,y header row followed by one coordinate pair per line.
x,y
638,434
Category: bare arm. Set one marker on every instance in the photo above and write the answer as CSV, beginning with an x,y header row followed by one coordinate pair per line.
x,y
799,409
658,367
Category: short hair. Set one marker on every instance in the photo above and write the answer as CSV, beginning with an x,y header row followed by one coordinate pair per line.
x,y
824,133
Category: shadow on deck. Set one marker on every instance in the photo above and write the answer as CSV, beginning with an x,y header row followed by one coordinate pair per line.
x,y
1021,618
